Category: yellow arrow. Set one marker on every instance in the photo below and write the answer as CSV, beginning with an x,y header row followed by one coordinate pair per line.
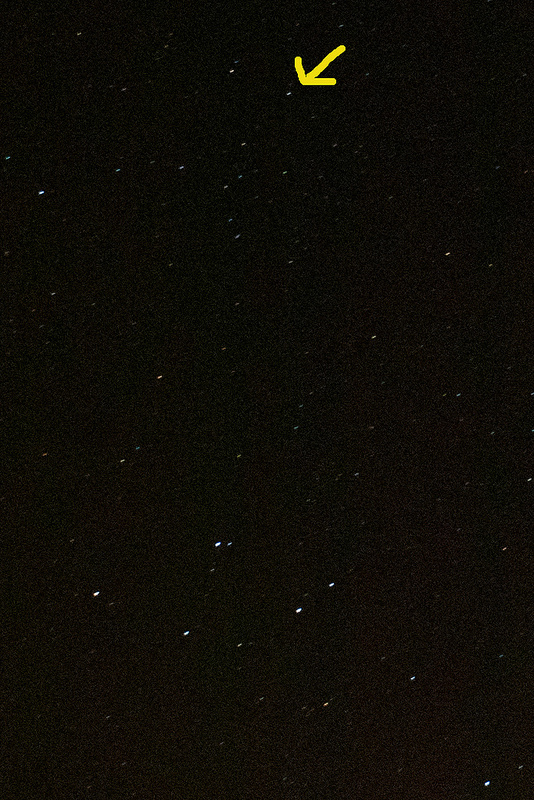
x,y
311,78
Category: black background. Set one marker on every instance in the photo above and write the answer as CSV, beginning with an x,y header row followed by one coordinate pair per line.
x,y
295,321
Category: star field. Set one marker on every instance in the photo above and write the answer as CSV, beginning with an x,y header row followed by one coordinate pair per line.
x,y
268,406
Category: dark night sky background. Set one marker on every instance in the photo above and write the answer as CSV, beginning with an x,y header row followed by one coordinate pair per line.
x,y
295,321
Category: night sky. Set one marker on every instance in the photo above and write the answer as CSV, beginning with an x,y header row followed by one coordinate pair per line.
x,y
268,402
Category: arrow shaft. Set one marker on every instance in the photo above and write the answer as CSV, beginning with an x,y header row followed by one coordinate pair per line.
x,y
326,61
